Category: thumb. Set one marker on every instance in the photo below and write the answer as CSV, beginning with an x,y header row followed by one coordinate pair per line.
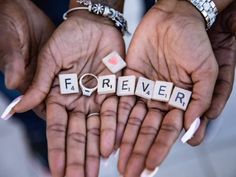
x,y
14,69
40,87
12,61
204,83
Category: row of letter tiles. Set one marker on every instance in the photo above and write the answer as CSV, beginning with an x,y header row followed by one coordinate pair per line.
x,y
114,62
148,89
68,83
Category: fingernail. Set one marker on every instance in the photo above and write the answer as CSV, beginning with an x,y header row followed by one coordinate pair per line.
x,y
105,161
8,112
148,173
116,153
120,175
191,131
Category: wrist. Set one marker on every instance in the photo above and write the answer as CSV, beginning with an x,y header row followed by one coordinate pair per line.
x,y
222,4
91,17
115,4
100,10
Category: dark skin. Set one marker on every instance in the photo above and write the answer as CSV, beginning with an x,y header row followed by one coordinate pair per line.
x,y
68,135
77,46
153,127
222,37
74,141
24,29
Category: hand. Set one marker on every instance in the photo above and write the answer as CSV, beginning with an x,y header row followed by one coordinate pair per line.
x,y
170,44
77,46
222,37
24,29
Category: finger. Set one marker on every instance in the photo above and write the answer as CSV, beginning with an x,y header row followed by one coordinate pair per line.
x,y
92,152
131,132
145,139
47,68
203,88
108,125
200,134
125,106
12,60
223,87
169,131
56,133
76,139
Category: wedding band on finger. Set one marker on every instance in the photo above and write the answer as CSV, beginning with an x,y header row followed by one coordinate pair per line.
x,y
85,90
93,114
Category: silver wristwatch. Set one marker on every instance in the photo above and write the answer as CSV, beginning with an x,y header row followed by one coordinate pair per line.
x,y
208,9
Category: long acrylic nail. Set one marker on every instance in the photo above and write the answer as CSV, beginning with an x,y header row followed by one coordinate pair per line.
x,y
105,161
191,131
116,153
8,112
148,173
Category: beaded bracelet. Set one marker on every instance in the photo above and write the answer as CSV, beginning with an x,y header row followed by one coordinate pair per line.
x,y
99,9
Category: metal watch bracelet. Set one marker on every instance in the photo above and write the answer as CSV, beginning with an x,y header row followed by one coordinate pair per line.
x,y
208,10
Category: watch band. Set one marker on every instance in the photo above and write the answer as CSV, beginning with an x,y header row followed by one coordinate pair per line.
x,y
208,10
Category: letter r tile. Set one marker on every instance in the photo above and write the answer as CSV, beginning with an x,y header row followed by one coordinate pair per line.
x,y
68,83
180,98
106,84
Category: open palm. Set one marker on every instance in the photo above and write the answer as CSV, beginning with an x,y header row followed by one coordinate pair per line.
x,y
77,46
170,44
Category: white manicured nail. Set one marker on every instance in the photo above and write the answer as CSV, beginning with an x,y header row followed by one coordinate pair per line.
x,y
116,153
105,161
148,173
8,111
120,175
191,131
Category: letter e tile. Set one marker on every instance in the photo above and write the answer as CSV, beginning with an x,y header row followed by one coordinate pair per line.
x,y
126,85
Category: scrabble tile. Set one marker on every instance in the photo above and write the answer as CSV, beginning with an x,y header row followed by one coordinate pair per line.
x,y
114,62
180,98
68,83
144,88
162,91
126,85
106,84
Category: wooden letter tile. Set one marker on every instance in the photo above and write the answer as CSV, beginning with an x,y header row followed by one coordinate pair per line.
x,y
144,88
106,84
180,98
162,91
114,62
68,83
126,85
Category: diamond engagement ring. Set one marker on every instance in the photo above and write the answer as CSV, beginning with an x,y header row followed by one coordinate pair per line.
x,y
85,90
